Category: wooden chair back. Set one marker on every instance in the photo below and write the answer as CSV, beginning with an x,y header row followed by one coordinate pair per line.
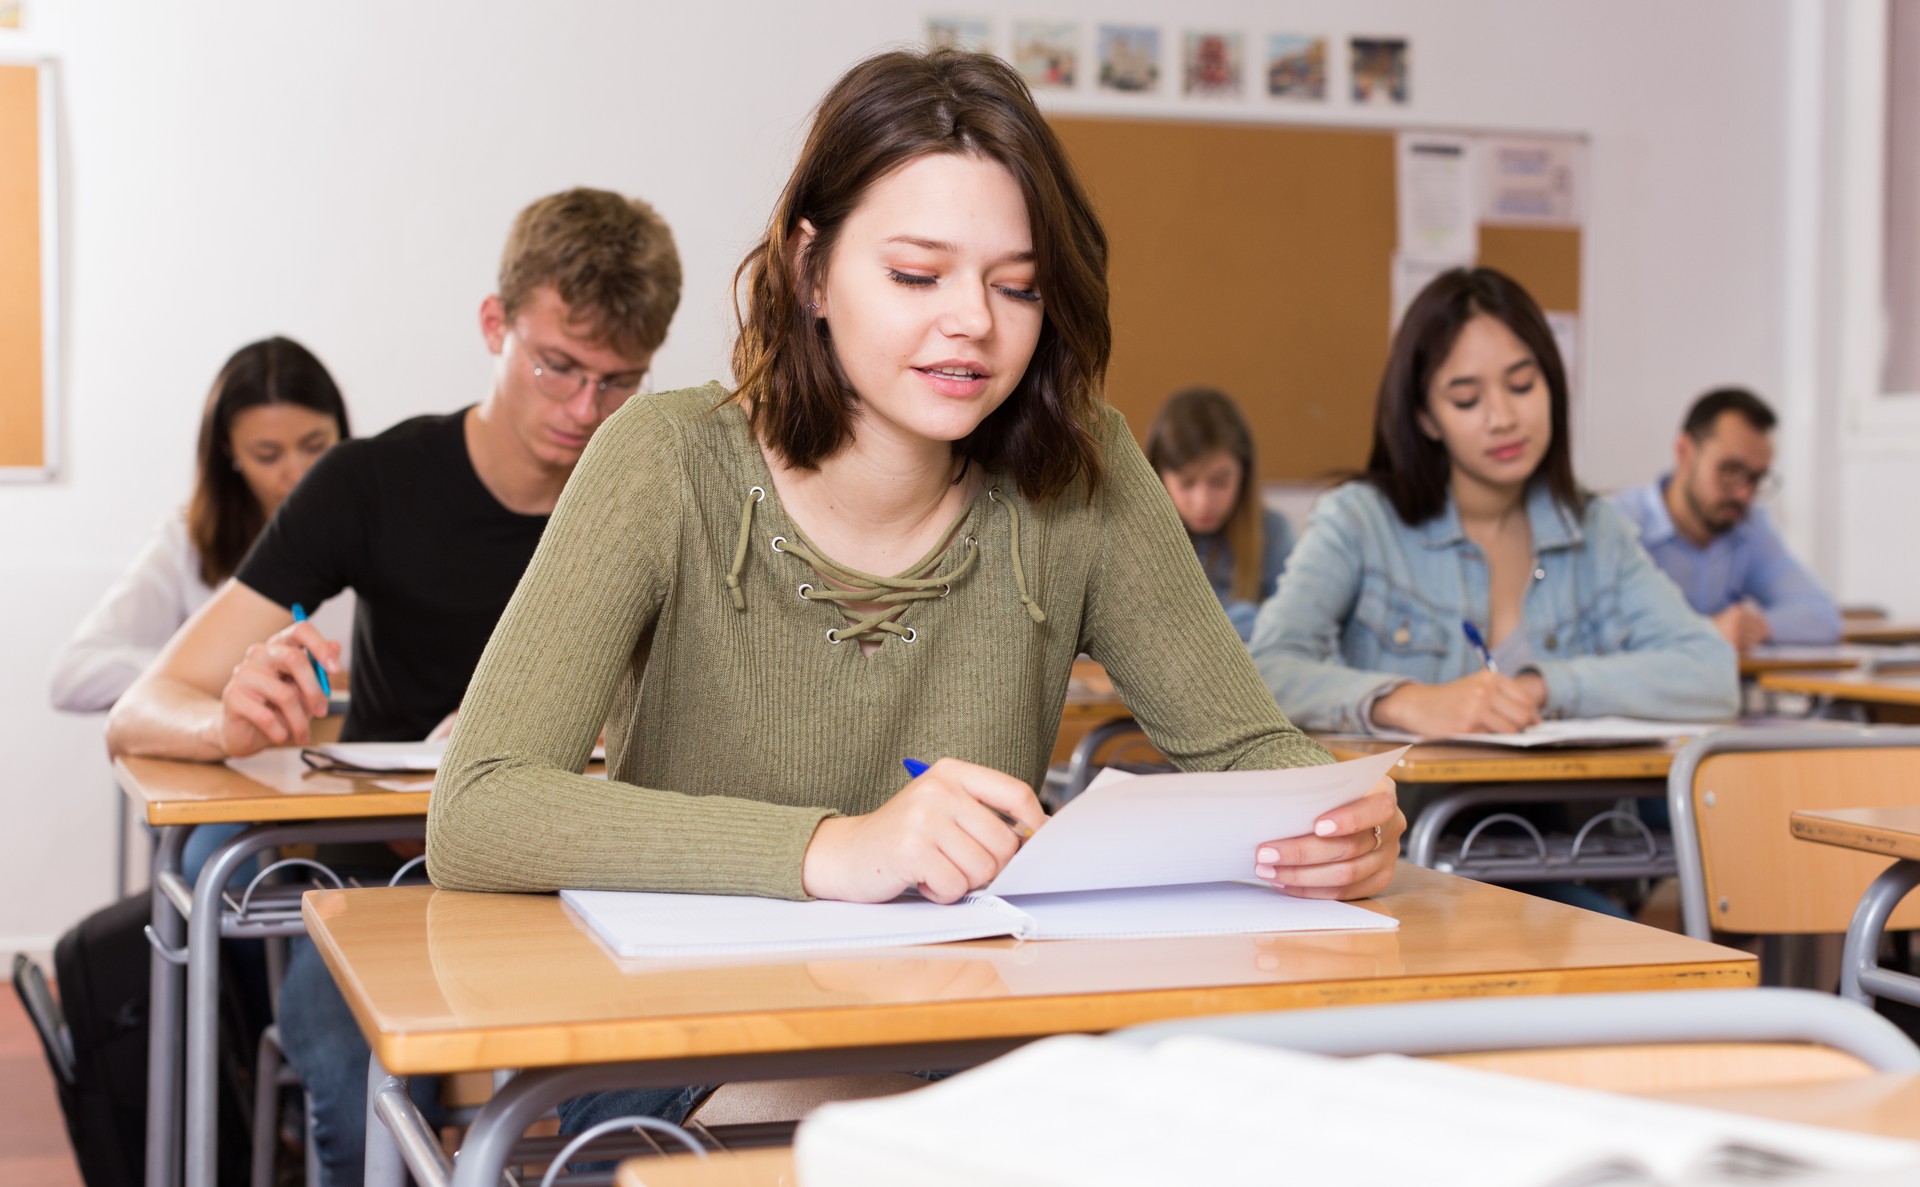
x,y
1758,877
1672,1067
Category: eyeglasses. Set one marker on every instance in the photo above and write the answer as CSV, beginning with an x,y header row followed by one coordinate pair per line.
x,y
1732,476
563,382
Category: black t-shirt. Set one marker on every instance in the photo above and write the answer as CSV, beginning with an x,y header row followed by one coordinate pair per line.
x,y
431,555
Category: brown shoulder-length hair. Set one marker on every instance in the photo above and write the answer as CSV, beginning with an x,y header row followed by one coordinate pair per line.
x,y
1408,466
887,111
223,517
1192,424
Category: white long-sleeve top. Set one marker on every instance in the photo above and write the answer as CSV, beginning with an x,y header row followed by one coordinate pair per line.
x,y
127,627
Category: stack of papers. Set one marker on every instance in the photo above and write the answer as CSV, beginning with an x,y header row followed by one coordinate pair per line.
x,y
1072,1111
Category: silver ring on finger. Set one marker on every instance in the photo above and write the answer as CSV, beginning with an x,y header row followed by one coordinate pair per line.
x,y
1376,838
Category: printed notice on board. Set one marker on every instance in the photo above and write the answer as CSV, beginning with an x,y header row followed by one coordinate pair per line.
x,y
1530,182
1439,219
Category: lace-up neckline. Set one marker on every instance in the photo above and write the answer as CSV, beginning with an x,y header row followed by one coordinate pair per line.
x,y
890,596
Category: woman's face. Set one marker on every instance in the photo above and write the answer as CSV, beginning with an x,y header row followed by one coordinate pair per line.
x,y
1489,405
1205,490
274,445
930,297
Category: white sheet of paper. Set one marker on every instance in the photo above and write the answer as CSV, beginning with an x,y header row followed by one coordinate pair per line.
x,y
1439,219
1207,908
1577,731
1165,830
397,757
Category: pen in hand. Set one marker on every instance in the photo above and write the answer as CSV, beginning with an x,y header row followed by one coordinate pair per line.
x,y
916,768
1479,644
326,686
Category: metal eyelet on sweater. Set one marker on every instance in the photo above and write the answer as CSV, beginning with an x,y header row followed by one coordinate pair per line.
x,y
776,542
804,587
945,589
758,494
971,542
833,635
910,636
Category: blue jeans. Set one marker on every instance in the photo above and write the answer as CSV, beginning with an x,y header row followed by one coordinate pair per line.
x,y
669,1104
323,1044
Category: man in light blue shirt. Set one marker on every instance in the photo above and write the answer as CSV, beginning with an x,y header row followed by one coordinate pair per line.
x,y
1701,526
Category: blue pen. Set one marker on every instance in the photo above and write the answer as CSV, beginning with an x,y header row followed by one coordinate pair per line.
x,y
1480,645
916,768
326,686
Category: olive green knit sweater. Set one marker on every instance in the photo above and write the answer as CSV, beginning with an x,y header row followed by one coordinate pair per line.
x,y
734,725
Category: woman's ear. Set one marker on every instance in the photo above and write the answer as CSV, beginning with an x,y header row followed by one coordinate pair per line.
x,y
1428,426
800,245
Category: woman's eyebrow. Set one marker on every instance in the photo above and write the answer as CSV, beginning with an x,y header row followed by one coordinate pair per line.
x,y
1521,365
941,245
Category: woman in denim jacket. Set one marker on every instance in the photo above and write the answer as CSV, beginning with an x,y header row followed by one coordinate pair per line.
x,y
1469,512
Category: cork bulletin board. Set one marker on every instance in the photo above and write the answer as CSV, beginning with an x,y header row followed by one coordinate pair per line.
x,y
28,242
1257,258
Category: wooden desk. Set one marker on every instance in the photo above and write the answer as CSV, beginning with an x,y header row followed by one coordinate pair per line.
x,y
1875,688
1800,659
1889,832
1884,1105
1880,632
286,803
1454,762
271,785
442,982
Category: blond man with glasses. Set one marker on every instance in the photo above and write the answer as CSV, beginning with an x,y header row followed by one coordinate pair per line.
x,y
1704,527
431,523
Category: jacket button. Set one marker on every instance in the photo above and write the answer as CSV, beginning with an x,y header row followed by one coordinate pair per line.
x,y
1553,642
1403,636
1539,574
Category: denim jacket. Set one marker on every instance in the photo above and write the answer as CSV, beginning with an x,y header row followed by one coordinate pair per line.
x,y
1368,603
1216,558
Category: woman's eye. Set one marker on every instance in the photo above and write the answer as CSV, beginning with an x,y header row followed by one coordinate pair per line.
x,y
910,279
1019,294
1466,405
265,459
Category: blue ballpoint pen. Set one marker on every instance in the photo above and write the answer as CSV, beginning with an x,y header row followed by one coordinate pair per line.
x,y
1480,645
326,686
916,768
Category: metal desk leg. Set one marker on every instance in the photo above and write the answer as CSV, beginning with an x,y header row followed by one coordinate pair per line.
x,y
164,1023
1861,977
384,1167
204,929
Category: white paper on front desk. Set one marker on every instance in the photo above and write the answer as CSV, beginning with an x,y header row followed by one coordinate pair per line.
x,y
1167,830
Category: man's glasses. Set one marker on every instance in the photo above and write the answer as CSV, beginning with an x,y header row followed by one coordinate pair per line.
x,y
1734,477
563,382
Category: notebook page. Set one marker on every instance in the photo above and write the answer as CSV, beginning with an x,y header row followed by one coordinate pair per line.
x,y
378,756
636,923
1576,731
1163,830
1204,908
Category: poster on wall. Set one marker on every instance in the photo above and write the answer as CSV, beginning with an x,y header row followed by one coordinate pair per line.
x,y
29,272
1530,181
970,33
1212,65
1047,53
10,17
1130,58
1380,71
1438,218
1296,66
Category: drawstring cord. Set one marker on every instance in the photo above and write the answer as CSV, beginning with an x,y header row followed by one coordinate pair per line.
x,y
740,548
1019,574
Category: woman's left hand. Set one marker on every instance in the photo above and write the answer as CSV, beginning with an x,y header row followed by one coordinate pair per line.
x,y
1351,853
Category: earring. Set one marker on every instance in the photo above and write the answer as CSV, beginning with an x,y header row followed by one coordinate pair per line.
x,y
813,308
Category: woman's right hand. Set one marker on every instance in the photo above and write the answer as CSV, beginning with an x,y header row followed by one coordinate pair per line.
x,y
273,693
944,833
1483,703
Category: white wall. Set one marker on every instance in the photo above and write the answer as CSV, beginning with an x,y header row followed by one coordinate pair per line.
x,y
344,173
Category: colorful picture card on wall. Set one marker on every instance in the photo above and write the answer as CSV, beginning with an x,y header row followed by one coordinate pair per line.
x,y
1047,53
1214,64
1380,71
970,33
1296,66
1130,58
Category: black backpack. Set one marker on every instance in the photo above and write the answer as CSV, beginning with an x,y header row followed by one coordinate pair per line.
x,y
95,1038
